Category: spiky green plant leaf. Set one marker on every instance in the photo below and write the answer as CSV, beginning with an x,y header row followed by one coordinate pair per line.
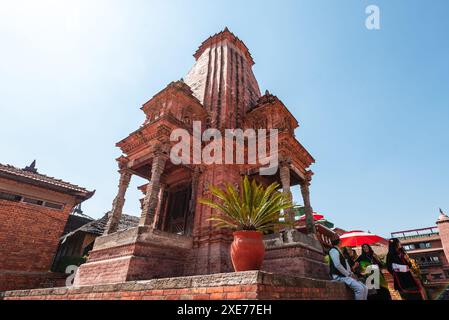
x,y
254,207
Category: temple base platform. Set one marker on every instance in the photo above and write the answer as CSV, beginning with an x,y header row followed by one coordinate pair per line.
x,y
138,253
248,285
295,253
142,253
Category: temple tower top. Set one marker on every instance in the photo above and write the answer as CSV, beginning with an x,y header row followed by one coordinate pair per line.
x,y
222,79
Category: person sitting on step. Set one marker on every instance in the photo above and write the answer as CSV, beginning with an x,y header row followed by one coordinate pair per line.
x,y
340,270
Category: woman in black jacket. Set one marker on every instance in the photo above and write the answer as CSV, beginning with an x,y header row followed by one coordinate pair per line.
x,y
398,264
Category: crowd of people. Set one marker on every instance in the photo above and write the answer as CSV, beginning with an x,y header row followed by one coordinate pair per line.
x,y
363,273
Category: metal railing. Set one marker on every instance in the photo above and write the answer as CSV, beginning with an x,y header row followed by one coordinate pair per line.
x,y
429,263
418,236
416,233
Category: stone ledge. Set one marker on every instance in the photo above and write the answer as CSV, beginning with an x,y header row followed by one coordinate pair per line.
x,y
116,239
240,281
292,238
142,235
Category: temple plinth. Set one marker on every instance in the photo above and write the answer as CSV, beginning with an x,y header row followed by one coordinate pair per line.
x,y
175,237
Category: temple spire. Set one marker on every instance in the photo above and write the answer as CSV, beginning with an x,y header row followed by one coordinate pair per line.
x,y
222,79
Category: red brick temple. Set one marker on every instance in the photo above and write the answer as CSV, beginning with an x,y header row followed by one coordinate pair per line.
x,y
175,239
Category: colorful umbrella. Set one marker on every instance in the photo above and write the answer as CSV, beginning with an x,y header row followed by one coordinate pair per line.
x,y
358,238
316,217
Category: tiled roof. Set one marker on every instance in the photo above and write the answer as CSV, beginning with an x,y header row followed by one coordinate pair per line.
x,y
33,177
97,227
75,221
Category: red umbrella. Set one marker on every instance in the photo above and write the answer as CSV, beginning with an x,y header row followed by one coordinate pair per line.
x,y
316,217
358,238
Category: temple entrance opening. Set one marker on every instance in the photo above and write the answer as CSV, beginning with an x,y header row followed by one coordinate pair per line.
x,y
179,219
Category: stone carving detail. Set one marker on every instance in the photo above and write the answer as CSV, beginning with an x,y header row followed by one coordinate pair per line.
x,y
151,197
284,172
310,224
118,203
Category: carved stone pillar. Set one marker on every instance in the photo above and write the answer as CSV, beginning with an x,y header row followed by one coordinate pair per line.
x,y
195,178
151,197
192,204
284,172
310,223
119,201
160,204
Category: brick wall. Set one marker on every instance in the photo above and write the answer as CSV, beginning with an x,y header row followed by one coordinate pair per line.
x,y
209,256
443,228
28,280
237,285
29,235
131,262
134,254
294,253
211,245
296,260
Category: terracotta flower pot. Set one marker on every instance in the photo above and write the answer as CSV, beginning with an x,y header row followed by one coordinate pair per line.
x,y
247,250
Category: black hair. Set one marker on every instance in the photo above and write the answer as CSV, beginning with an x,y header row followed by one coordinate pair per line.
x,y
371,251
336,241
393,247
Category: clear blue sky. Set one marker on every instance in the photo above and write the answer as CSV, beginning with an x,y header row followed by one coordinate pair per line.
x,y
373,105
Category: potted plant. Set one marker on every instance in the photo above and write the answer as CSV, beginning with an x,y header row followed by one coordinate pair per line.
x,y
250,212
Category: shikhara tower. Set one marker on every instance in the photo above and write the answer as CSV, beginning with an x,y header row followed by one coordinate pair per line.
x,y
175,237
223,81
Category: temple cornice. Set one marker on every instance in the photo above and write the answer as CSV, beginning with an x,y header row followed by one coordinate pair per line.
x,y
174,90
269,100
151,132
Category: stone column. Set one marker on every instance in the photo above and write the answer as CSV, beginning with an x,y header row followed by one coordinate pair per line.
x,y
159,209
192,203
119,201
164,212
151,197
284,172
310,223
195,178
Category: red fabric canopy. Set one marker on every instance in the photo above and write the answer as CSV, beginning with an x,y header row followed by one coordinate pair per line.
x,y
358,238
316,217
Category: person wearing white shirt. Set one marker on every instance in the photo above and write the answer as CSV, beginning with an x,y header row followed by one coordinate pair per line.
x,y
341,271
